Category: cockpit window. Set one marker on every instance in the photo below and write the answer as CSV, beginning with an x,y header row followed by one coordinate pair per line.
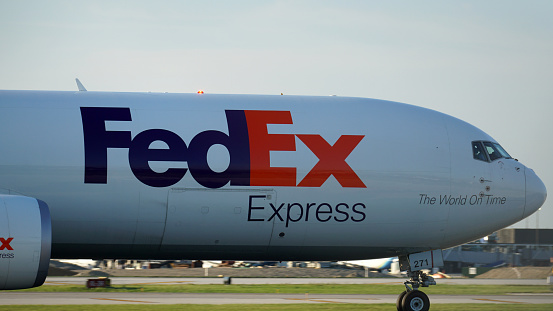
x,y
495,151
478,151
502,151
488,151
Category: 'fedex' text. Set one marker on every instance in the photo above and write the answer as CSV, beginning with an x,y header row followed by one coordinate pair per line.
x,y
248,142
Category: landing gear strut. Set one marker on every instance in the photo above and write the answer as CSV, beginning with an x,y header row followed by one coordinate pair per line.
x,y
412,299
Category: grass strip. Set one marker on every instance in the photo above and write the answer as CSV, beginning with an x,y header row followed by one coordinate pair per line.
x,y
301,288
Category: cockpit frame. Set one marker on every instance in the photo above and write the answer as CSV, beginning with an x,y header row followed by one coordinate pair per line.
x,y
488,151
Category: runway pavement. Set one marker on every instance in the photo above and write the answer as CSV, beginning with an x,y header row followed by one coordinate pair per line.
x,y
219,280
42,298
28,298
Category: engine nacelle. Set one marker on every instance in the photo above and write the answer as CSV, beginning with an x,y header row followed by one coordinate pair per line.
x,y
25,242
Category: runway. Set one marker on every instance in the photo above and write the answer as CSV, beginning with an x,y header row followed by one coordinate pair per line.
x,y
38,298
28,298
219,280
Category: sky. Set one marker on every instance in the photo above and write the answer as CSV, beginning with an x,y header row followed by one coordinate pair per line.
x,y
489,63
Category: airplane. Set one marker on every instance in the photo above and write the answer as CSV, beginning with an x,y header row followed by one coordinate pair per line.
x,y
246,177
378,264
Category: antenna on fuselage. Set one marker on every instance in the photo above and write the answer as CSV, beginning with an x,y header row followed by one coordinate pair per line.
x,y
80,85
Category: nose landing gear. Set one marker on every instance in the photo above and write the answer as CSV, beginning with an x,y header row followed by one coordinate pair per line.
x,y
412,299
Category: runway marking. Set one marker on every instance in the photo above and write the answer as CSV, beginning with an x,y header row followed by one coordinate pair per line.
x,y
531,294
315,300
123,300
493,300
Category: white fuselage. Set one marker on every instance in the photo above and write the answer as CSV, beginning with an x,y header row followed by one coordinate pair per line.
x,y
269,178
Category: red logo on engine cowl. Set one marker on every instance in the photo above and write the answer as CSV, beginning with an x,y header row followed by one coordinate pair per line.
x,y
6,244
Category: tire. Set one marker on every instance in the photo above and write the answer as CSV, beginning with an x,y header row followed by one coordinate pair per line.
x,y
415,301
399,301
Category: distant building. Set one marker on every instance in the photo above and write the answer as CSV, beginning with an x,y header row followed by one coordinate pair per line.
x,y
507,247
525,236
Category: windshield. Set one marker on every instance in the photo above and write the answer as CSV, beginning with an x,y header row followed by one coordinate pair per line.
x,y
502,151
478,151
488,151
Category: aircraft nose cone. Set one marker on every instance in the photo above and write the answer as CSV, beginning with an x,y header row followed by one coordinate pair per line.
x,y
535,193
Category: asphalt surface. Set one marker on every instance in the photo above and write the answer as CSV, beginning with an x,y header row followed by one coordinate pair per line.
x,y
42,298
219,280
27,298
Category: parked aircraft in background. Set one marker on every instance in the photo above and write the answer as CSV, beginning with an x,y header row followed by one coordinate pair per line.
x,y
246,177
379,264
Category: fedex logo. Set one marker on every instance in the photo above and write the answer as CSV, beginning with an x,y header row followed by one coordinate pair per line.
x,y
248,143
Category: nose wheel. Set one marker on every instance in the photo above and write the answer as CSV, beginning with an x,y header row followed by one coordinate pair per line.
x,y
412,299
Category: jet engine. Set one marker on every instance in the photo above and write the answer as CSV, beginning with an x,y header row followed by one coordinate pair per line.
x,y
25,242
